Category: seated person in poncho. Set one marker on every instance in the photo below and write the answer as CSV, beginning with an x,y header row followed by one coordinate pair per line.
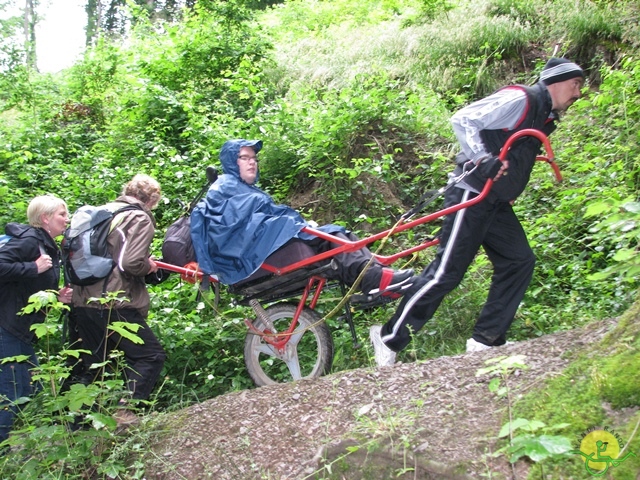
x,y
237,226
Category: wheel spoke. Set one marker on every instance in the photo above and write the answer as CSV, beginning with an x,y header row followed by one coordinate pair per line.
x,y
296,336
293,364
266,349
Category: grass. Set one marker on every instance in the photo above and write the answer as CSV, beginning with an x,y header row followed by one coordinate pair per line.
x,y
591,393
331,44
333,53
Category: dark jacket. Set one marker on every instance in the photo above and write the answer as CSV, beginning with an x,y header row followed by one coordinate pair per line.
x,y
523,153
19,278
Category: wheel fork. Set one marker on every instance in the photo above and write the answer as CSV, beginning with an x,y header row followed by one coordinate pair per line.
x,y
270,335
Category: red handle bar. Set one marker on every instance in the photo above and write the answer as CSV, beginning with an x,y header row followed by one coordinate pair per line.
x,y
530,132
186,272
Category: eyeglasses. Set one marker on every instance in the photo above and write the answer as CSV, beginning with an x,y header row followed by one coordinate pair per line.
x,y
246,158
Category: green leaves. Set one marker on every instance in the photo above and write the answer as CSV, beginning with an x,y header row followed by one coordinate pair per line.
x,y
535,447
40,300
538,448
79,396
527,425
15,358
619,219
503,365
126,330
522,434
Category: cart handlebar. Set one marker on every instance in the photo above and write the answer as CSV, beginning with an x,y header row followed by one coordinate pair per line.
x,y
189,272
530,132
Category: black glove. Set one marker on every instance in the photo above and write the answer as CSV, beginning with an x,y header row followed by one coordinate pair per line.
x,y
489,167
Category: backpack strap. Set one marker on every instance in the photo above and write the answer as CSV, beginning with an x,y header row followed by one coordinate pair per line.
x,y
125,208
41,241
104,285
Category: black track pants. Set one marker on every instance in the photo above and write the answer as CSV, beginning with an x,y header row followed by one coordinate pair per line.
x,y
144,361
496,228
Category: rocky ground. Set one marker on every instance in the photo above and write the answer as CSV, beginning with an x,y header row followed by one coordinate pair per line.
x,y
426,420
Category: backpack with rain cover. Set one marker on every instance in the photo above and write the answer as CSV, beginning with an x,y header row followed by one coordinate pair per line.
x,y
85,256
177,248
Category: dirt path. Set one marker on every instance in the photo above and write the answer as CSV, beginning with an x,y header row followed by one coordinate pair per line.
x,y
432,419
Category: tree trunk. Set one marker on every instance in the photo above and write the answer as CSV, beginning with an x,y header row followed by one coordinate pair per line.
x,y
29,25
113,22
93,22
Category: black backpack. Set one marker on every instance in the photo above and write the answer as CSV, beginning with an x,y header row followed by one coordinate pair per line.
x,y
177,248
85,256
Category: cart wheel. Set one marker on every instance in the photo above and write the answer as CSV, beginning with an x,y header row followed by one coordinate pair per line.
x,y
309,352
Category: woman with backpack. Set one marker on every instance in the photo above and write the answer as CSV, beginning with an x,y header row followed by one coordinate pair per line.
x,y
128,243
29,263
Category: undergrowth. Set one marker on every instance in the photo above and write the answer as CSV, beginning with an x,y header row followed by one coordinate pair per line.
x,y
353,103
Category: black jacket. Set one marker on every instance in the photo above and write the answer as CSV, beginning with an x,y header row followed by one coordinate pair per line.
x,y
19,278
523,152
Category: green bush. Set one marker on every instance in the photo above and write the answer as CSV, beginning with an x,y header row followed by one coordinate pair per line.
x,y
353,103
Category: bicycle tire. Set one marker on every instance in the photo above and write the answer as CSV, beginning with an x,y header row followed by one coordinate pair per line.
x,y
308,354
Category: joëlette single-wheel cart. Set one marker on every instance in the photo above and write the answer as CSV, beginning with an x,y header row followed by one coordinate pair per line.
x,y
288,339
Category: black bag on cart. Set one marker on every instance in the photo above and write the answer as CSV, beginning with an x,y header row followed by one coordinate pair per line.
x,y
177,248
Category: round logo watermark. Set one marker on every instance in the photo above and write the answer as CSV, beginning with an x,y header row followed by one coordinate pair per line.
x,y
600,447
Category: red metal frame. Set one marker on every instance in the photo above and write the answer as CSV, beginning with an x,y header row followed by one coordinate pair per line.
x,y
279,340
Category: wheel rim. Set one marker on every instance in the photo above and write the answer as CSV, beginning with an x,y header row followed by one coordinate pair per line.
x,y
305,354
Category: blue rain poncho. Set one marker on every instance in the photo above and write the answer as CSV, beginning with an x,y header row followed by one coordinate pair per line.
x,y
237,225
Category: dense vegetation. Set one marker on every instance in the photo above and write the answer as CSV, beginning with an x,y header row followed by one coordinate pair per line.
x,y
352,100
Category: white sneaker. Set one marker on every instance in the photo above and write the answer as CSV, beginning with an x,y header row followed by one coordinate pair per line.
x,y
384,355
473,346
